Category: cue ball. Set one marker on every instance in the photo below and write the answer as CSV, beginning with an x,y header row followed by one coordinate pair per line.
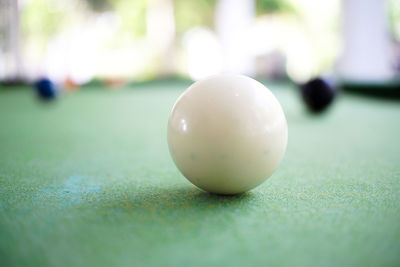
x,y
227,134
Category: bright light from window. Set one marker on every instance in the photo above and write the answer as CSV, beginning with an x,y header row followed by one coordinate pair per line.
x,y
203,51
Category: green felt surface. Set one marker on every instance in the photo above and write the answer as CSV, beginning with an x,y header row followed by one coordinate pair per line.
x,y
88,181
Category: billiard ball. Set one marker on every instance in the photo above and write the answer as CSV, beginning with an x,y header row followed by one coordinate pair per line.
x,y
45,89
227,134
318,94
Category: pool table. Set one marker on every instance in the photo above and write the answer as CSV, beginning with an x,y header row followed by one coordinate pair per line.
x,y
87,180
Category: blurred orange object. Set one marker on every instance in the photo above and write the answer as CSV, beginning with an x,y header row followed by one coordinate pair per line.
x,y
114,83
70,85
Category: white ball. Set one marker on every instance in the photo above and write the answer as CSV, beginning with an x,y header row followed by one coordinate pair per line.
x,y
227,134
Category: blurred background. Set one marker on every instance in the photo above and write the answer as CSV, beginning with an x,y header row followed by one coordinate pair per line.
x,y
77,41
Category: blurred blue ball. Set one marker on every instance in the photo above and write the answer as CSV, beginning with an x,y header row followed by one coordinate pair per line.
x,y
45,89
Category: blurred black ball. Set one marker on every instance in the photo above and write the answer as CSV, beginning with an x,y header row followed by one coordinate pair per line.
x,y
318,94
45,89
